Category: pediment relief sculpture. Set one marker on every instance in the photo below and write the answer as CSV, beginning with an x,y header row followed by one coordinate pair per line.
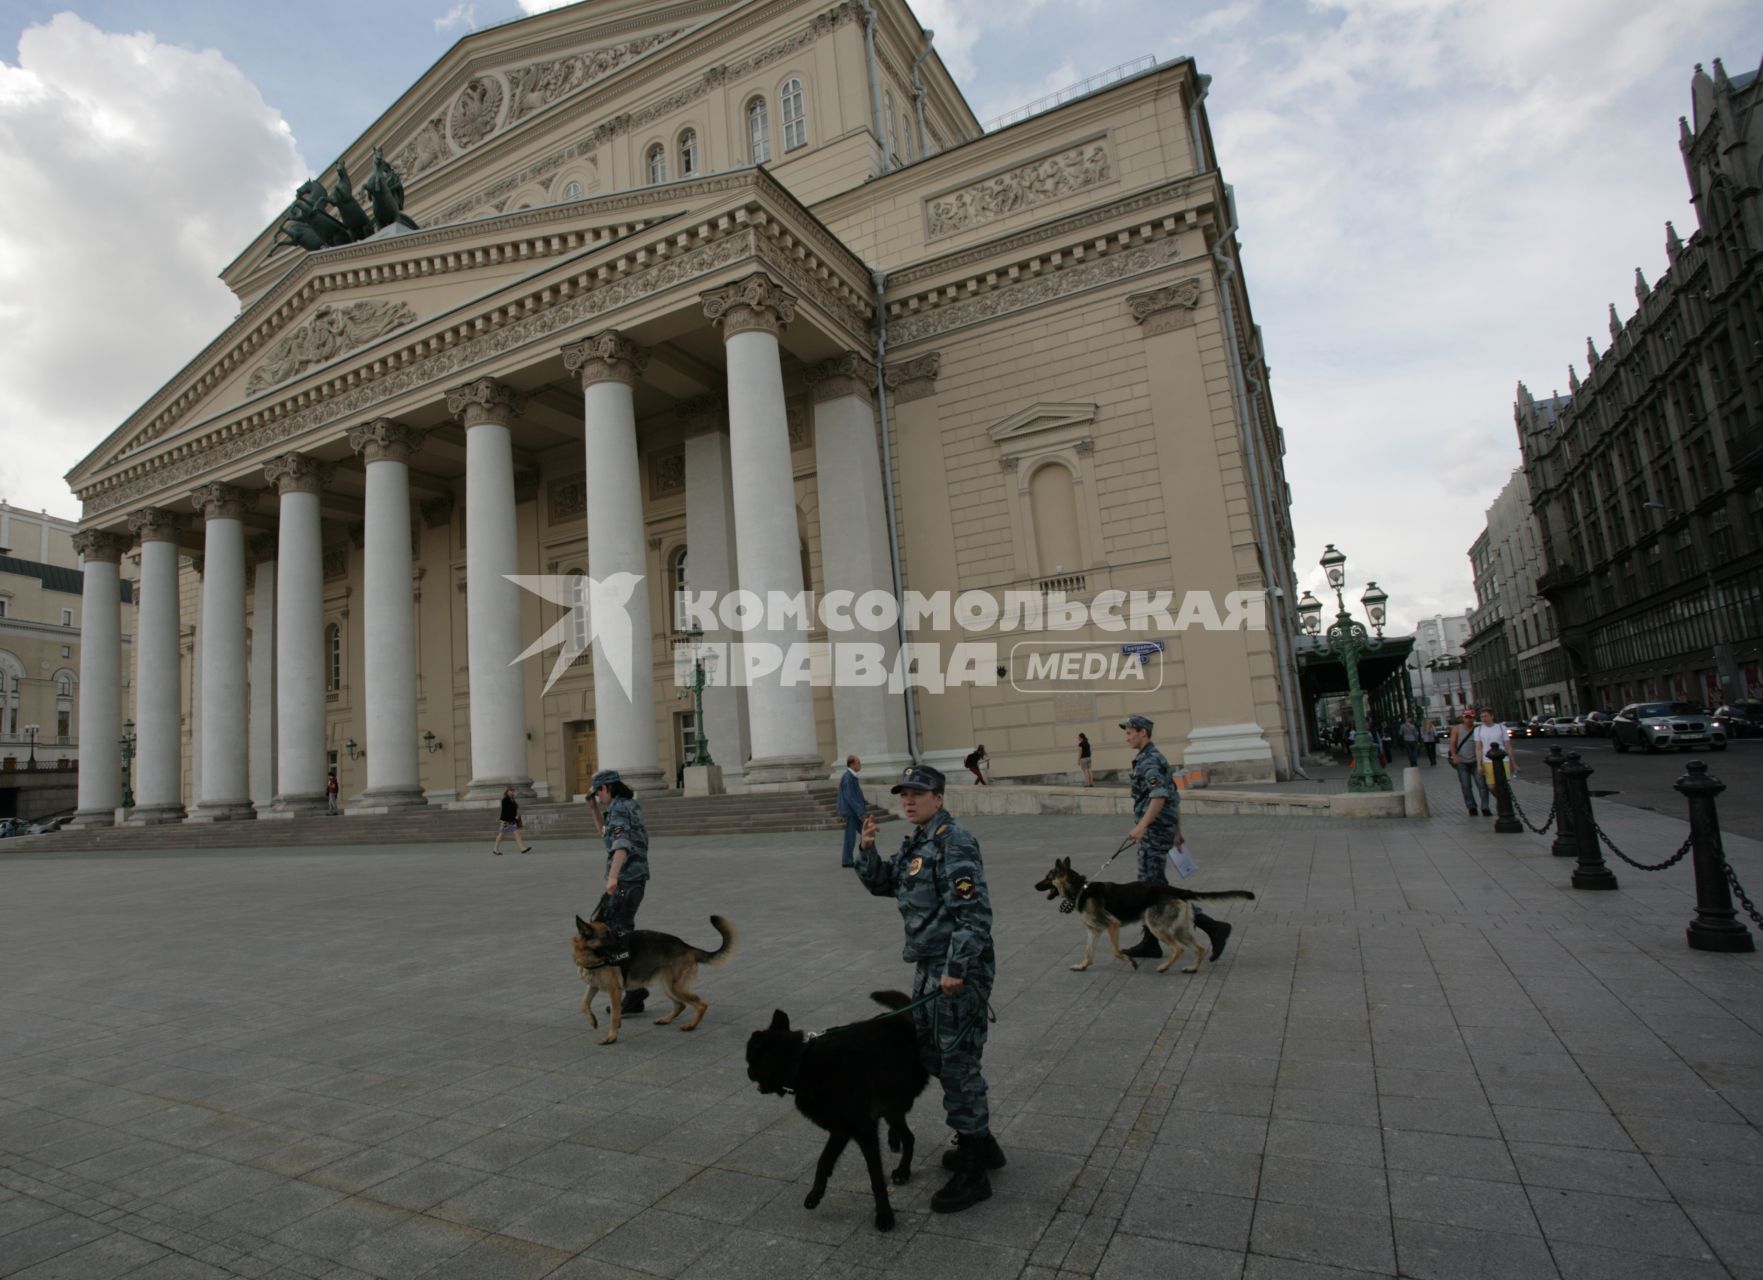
x,y
333,330
1024,187
476,110
539,84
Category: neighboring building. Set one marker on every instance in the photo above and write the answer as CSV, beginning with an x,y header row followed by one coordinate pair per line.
x,y
1648,478
1437,672
40,629
1515,659
680,224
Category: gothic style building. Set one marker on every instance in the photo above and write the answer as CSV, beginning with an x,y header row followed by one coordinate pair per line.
x,y
744,279
1647,478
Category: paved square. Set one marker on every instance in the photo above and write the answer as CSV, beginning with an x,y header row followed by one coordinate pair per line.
x,y
1422,1055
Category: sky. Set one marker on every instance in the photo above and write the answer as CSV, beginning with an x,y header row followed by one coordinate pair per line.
x,y
1437,199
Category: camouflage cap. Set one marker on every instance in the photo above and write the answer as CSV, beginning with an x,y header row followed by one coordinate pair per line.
x,y
919,777
1136,722
605,778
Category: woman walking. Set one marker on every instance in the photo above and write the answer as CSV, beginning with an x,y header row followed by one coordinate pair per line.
x,y
1083,759
975,762
509,824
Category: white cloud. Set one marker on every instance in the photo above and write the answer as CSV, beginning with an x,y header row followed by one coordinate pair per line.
x,y
1228,18
530,7
134,171
460,15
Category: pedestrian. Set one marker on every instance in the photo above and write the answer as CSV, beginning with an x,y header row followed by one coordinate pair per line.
x,y
975,763
1157,807
508,823
1462,755
1410,741
939,884
330,795
852,807
619,819
1429,738
1083,759
1488,734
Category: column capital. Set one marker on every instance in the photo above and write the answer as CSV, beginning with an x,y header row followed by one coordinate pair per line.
x,y
384,440
221,501
1171,307
297,473
849,374
485,400
156,524
755,303
100,545
915,378
607,356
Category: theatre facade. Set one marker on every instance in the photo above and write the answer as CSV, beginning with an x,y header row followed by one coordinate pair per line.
x,y
718,297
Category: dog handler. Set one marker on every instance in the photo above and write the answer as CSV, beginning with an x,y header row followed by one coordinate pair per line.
x,y
619,819
939,884
1158,809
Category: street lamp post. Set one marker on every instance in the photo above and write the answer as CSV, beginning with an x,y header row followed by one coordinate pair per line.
x,y
700,744
1347,640
127,743
31,731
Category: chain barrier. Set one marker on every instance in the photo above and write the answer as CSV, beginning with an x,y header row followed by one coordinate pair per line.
x,y
1672,861
1524,818
1738,890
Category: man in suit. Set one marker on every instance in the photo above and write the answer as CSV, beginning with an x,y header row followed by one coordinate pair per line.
x,y
852,807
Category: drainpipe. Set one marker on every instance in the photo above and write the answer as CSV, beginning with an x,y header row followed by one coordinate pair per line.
x,y
881,399
918,94
1248,418
881,137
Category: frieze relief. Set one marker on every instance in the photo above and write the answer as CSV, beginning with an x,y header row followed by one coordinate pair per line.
x,y
1025,187
539,84
426,149
475,110
567,498
333,330
667,473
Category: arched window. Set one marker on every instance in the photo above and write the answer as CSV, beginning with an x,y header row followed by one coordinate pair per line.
x,y
63,685
688,153
759,130
333,660
1052,501
676,581
578,612
572,191
795,113
657,163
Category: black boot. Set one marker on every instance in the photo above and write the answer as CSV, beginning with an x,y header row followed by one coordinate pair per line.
x,y
633,1000
1217,932
986,1150
1145,948
969,1183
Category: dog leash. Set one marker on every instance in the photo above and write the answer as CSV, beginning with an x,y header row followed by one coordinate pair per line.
x,y
1070,904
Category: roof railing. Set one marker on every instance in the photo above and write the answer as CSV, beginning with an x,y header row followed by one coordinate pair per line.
x,y
1102,79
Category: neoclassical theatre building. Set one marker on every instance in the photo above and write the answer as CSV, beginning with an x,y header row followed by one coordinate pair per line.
x,y
723,296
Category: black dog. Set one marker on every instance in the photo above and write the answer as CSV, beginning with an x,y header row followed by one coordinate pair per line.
x,y
845,1080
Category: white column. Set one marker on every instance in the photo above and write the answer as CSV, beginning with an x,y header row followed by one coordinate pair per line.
x,y
225,794
710,567
260,676
100,691
158,788
768,547
870,721
609,365
492,602
300,774
389,616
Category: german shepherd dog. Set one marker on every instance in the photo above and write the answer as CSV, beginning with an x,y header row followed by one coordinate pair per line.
x,y
661,958
1166,911
845,1080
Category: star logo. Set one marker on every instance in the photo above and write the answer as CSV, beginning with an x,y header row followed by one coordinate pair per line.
x,y
595,612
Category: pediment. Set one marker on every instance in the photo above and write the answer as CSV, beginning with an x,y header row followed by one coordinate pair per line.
x,y
1047,424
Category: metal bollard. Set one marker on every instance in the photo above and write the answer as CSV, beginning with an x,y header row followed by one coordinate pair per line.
x,y
1506,821
1565,845
1590,872
1716,926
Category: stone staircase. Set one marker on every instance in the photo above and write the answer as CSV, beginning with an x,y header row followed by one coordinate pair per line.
x,y
666,815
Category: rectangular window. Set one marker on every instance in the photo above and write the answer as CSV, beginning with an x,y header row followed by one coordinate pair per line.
x,y
67,651
2,608
63,726
795,115
67,617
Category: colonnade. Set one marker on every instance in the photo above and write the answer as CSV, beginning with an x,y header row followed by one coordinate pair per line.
x,y
741,529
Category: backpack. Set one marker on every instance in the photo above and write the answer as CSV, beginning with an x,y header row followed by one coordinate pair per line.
x,y
972,758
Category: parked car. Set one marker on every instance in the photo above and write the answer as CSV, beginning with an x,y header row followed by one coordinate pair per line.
x,y
48,825
12,827
1596,724
1656,726
1740,719
1562,727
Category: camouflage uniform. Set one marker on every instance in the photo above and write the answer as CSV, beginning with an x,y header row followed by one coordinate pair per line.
x,y
1150,779
625,830
939,884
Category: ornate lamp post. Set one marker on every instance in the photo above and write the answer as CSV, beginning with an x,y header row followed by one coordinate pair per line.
x,y
31,731
700,744
1347,640
127,743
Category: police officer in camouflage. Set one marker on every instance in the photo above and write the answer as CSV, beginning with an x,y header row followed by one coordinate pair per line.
x,y
1157,806
939,884
619,819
